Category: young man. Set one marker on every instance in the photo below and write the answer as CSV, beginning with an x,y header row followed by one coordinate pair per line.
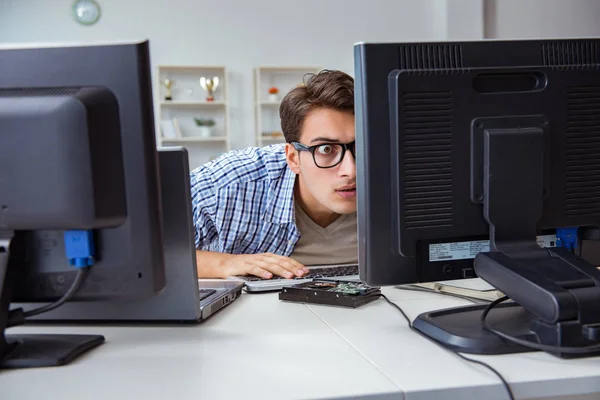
x,y
273,210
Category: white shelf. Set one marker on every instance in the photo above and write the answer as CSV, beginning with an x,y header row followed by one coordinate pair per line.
x,y
291,68
190,67
270,103
192,139
272,139
189,103
283,78
193,104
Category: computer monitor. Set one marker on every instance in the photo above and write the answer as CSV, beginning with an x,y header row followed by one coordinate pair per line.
x,y
129,259
493,141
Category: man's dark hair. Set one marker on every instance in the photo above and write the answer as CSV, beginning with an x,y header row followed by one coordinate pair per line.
x,y
328,89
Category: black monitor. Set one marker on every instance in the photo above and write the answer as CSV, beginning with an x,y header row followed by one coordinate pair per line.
x,y
78,183
493,141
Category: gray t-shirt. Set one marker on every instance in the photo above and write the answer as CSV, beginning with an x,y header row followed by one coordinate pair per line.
x,y
334,244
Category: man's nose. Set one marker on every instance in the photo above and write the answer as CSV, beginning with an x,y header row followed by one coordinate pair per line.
x,y
348,164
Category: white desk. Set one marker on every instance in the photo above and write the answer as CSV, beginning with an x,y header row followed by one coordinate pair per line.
x,y
259,347
423,370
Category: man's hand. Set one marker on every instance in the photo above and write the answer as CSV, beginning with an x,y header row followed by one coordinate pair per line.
x,y
264,265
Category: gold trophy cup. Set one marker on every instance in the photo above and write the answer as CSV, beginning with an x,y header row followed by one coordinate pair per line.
x,y
209,85
168,83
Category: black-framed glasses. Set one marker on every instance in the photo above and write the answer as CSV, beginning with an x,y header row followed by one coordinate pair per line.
x,y
327,155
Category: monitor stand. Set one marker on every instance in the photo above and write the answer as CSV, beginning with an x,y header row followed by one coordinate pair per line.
x,y
460,328
555,302
24,351
556,295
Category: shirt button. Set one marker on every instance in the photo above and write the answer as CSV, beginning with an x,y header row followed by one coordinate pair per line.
x,y
290,242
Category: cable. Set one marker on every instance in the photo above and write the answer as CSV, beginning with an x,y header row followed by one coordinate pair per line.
x,y
529,343
80,251
567,237
17,316
489,367
458,296
82,274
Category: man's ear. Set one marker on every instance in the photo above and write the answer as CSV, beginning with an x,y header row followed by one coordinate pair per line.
x,y
293,158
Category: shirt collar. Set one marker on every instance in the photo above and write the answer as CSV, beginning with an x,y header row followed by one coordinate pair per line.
x,y
280,207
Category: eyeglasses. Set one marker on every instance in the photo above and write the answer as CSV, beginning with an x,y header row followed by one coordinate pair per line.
x,y
327,155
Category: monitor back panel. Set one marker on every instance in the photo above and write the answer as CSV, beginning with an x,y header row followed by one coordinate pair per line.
x,y
179,301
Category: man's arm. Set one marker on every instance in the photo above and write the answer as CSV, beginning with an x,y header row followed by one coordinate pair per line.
x,y
212,264
221,265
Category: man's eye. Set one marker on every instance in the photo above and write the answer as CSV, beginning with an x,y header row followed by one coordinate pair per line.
x,y
325,149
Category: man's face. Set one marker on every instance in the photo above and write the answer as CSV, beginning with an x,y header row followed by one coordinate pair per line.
x,y
326,189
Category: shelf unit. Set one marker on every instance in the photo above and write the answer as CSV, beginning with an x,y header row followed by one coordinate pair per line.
x,y
189,101
267,121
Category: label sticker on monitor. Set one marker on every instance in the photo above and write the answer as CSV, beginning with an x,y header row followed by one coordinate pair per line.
x,y
467,250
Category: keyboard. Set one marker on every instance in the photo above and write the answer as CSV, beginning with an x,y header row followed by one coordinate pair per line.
x,y
337,272
204,293
325,272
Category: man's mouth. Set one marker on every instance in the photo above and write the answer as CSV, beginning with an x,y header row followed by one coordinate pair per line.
x,y
347,188
347,191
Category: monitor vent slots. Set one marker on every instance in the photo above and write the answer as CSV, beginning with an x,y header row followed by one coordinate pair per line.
x,y
571,54
430,57
427,154
582,193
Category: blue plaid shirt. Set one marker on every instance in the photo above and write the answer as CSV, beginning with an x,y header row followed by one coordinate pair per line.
x,y
243,203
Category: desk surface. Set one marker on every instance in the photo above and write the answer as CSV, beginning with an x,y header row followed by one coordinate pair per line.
x,y
260,347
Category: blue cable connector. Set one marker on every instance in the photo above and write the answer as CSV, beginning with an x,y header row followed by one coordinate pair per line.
x,y
79,247
566,237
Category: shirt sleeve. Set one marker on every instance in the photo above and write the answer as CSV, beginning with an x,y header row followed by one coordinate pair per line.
x,y
204,208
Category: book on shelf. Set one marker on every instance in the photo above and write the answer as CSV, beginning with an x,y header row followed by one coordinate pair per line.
x,y
170,128
475,288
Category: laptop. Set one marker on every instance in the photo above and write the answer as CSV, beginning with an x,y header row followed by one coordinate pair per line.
x,y
343,272
185,298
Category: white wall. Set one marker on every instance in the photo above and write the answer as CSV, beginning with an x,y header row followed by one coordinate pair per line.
x,y
532,19
240,34
243,34
465,19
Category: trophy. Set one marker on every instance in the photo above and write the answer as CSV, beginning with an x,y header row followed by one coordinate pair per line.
x,y
209,85
168,85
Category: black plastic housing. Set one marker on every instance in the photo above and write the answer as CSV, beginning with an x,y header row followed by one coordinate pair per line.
x,y
61,159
